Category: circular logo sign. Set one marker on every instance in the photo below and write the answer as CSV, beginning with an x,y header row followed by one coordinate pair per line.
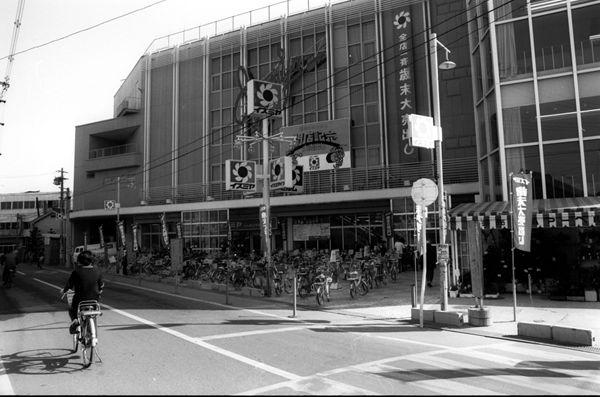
x,y
424,191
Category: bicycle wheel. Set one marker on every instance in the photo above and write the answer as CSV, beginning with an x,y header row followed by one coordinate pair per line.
x,y
363,288
87,352
319,296
393,274
287,286
352,290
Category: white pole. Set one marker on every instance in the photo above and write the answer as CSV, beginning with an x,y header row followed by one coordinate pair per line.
x,y
267,200
424,250
438,147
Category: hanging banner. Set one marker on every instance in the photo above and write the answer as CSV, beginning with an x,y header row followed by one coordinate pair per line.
x,y
388,225
282,173
85,241
122,232
522,212
264,224
165,233
101,236
297,181
135,237
179,234
420,217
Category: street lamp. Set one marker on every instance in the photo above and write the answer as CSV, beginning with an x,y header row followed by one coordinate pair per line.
x,y
446,65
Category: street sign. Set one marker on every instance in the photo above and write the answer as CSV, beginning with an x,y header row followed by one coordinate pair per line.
x,y
424,192
443,252
422,132
110,205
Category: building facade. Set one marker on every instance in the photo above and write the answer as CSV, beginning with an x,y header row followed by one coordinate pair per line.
x,y
18,213
177,116
536,101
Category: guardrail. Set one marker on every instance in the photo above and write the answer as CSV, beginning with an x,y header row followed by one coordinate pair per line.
x,y
113,151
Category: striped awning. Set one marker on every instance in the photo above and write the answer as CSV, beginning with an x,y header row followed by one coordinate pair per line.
x,y
561,212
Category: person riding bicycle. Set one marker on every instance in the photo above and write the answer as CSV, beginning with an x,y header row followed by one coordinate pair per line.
x,y
87,283
9,263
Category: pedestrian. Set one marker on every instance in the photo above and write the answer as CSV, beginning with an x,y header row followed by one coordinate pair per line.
x,y
399,246
431,261
124,262
40,261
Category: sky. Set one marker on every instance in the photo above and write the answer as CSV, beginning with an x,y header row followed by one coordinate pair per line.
x,y
71,82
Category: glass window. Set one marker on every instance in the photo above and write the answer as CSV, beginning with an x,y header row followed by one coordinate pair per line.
x,y
586,23
559,127
563,170
557,95
528,159
514,51
551,38
489,67
592,166
590,122
505,9
481,130
589,90
478,77
491,105
518,115
360,159
497,176
354,34
485,177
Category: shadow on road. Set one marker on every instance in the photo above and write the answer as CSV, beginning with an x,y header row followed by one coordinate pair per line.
x,y
41,362
416,375
253,321
374,328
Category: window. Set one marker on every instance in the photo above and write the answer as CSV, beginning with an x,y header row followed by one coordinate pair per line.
x,y
589,90
563,170
559,127
551,38
5,205
514,51
505,9
557,95
586,24
528,159
592,166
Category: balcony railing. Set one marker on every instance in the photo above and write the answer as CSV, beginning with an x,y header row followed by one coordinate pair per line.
x,y
113,151
463,170
129,105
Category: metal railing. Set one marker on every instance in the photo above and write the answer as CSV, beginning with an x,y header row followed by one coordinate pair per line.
x,y
229,24
113,151
462,170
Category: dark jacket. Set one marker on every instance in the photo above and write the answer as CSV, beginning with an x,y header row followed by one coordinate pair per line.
x,y
87,283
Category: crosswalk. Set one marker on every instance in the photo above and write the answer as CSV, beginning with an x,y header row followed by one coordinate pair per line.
x,y
503,368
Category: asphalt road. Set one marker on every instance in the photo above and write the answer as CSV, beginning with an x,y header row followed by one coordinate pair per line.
x,y
157,342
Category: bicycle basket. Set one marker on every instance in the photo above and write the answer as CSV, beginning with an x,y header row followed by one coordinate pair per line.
x,y
352,276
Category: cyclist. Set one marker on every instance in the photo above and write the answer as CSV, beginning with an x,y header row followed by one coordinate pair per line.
x,y
87,283
9,263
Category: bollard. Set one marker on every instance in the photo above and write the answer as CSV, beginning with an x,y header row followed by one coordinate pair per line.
x,y
413,295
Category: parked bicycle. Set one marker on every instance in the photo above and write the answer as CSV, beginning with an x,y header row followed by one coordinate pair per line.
x,y
358,285
87,332
321,287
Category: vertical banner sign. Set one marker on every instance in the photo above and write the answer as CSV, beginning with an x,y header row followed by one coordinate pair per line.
x,y
85,241
264,224
101,236
122,232
388,224
400,89
135,237
521,217
165,233
420,217
179,234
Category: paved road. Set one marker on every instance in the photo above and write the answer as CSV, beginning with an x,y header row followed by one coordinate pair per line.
x,y
157,342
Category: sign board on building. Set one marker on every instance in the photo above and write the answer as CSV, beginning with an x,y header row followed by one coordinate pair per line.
x,y
264,98
110,205
297,180
324,145
282,173
240,175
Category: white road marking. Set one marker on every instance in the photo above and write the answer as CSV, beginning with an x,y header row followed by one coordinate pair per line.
x,y
498,374
5,385
199,342
21,273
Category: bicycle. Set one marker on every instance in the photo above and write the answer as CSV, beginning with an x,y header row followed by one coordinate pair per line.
x,y
322,282
358,284
87,333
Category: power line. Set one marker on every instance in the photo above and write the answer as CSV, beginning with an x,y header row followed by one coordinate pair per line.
x,y
240,129
85,29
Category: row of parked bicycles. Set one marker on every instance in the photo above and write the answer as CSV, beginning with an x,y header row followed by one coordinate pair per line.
x,y
313,274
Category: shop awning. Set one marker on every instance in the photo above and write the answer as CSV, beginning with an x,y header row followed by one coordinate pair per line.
x,y
561,212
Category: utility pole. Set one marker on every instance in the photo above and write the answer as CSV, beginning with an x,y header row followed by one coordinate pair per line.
x,y
60,181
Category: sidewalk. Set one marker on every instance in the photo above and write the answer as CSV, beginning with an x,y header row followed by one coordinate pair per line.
x,y
393,302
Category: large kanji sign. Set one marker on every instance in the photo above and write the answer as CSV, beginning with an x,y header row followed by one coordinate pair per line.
x,y
521,210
